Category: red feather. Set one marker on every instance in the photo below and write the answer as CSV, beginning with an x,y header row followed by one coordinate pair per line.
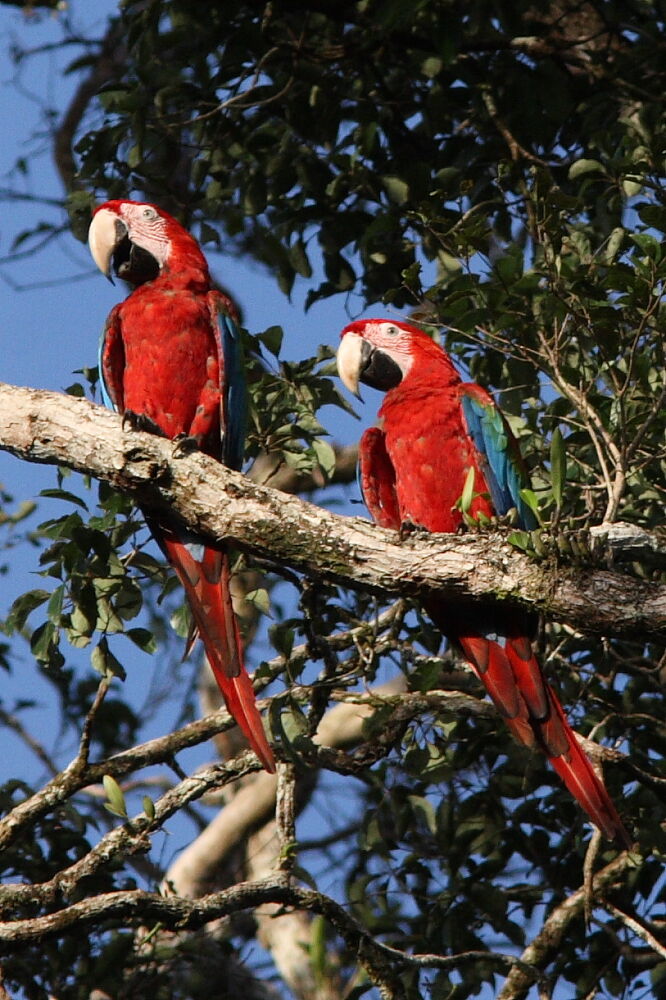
x,y
413,469
162,359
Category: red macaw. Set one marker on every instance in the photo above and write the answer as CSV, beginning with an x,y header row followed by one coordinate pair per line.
x,y
433,428
170,361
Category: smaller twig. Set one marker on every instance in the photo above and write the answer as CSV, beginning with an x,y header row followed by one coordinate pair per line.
x,y
591,855
356,637
136,907
638,928
139,784
75,777
175,767
285,811
86,732
594,425
656,410
12,722
515,148
243,99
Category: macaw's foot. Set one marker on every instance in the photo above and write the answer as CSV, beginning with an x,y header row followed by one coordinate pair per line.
x,y
185,444
408,528
141,422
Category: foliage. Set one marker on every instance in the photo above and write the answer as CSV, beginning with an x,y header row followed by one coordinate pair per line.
x,y
498,171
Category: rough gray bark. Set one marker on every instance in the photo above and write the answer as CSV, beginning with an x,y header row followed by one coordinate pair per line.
x,y
50,428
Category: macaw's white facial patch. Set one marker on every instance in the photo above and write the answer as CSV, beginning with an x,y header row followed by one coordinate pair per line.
x,y
147,229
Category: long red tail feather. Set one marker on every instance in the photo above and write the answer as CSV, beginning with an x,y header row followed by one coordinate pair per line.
x,y
577,773
206,584
515,682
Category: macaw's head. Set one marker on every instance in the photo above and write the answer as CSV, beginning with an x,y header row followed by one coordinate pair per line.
x,y
139,242
381,353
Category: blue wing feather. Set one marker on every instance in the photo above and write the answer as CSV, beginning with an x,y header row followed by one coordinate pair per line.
x,y
106,397
503,466
235,391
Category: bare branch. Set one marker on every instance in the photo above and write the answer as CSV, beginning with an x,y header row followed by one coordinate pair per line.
x,y
77,776
11,721
206,861
382,962
220,504
193,870
638,928
541,951
125,840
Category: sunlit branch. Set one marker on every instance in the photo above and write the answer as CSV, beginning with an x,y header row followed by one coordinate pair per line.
x,y
220,504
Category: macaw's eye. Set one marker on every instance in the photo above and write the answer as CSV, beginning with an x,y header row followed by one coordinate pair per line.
x,y
392,331
149,213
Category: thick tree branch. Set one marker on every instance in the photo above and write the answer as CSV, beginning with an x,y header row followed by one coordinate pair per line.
x,y
46,427
132,908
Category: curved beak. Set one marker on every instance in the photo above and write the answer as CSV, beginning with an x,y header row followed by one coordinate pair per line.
x,y
360,361
352,357
107,230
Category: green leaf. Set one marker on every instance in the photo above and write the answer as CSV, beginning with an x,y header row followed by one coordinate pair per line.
x,y
148,807
208,234
325,456
424,808
396,188
81,623
318,948
105,663
76,390
272,339
303,875
529,497
260,599
116,799
467,495
142,638
293,722
282,636
181,620
632,185
299,259
431,66
23,606
613,245
55,605
521,540
584,166
43,642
